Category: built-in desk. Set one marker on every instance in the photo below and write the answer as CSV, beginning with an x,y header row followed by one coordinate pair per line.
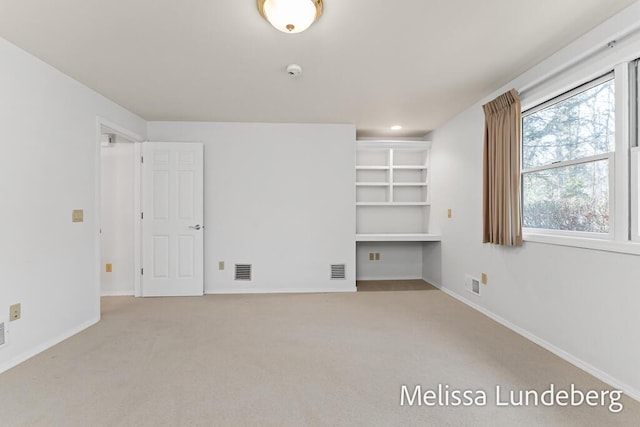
x,y
391,237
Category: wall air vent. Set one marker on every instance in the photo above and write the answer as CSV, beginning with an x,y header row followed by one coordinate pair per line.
x,y
243,272
338,272
472,284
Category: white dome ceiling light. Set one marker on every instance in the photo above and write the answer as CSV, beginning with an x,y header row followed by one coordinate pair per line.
x,y
290,16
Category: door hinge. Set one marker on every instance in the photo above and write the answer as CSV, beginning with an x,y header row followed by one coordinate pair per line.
x,y
141,159
141,215
142,271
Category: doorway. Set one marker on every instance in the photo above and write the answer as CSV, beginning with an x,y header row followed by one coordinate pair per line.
x,y
118,205
117,245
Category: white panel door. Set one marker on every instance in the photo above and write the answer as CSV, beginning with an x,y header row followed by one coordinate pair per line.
x,y
172,222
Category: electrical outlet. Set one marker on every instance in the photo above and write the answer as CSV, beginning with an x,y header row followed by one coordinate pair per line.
x,y
220,265
14,312
372,256
484,278
77,215
449,214
108,268
377,256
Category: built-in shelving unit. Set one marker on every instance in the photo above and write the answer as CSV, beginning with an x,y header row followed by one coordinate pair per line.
x,y
392,191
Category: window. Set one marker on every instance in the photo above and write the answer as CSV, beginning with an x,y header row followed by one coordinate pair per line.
x,y
568,146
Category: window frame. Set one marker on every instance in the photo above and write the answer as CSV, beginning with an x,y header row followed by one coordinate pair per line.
x,y
635,189
609,156
634,150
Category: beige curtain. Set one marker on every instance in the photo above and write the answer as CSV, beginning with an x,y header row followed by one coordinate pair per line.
x,y
502,217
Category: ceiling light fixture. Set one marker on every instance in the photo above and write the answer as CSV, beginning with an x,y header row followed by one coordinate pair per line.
x,y
290,16
396,127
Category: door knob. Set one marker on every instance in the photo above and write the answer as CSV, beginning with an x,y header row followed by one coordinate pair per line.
x,y
196,227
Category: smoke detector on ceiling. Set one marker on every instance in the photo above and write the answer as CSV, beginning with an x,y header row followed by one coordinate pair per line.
x,y
294,70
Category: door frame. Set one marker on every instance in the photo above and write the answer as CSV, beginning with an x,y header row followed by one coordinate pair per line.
x,y
137,139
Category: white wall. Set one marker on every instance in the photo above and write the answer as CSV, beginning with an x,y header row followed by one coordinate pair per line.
x,y
582,304
432,262
280,197
48,168
117,218
398,261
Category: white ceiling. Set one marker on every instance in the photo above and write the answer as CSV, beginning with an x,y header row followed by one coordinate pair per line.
x,y
372,63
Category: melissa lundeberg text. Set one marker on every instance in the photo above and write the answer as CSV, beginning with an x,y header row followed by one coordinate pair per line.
x,y
444,395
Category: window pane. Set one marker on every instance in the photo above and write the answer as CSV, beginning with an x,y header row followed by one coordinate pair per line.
x,y
580,126
573,198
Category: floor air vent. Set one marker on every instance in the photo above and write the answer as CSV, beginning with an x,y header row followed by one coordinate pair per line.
x,y
338,272
243,272
472,284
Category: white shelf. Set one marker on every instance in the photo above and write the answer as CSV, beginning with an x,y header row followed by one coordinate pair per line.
x,y
409,167
372,168
392,204
372,184
388,237
392,191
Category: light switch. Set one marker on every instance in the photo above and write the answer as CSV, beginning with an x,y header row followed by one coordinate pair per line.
x,y
109,268
77,215
484,278
448,213
377,256
371,256
220,265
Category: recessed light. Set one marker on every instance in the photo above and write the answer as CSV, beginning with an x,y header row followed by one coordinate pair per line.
x,y
396,127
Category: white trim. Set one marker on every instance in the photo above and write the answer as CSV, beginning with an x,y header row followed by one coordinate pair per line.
x,y
434,283
97,204
630,248
278,291
46,345
566,233
613,205
620,179
588,368
370,278
567,163
635,192
117,294
137,210
122,131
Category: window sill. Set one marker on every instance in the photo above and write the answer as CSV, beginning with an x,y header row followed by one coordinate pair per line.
x,y
631,248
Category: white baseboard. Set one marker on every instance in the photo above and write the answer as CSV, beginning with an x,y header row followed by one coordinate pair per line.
x,y
46,345
433,282
278,291
389,278
590,369
117,294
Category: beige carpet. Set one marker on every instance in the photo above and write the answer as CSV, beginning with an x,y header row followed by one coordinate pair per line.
x,y
393,285
322,359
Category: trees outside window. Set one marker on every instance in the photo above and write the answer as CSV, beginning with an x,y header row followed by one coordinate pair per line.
x,y
567,160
